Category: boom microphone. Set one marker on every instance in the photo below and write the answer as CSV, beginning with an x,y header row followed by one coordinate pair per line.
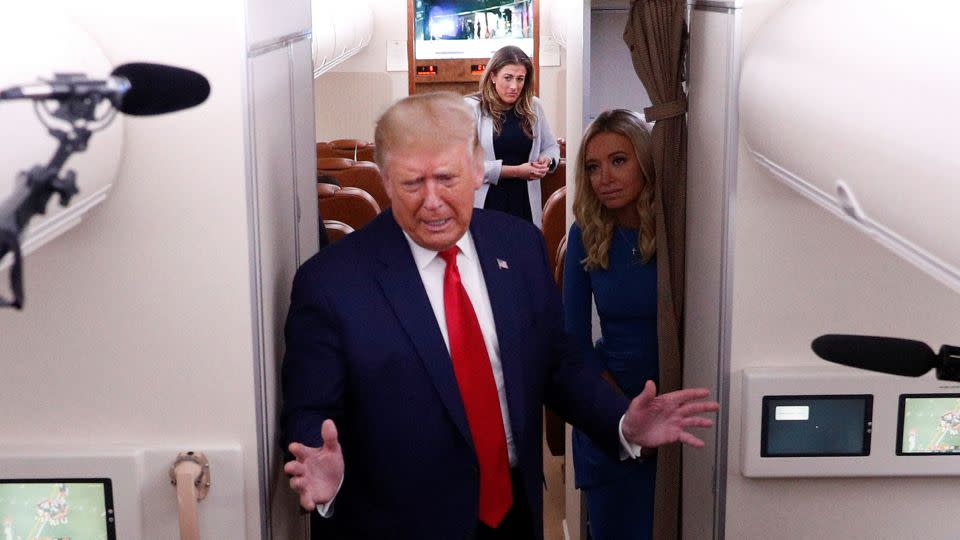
x,y
137,89
159,89
896,356
886,354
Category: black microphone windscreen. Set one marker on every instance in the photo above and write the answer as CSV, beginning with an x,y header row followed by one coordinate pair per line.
x,y
160,89
897,356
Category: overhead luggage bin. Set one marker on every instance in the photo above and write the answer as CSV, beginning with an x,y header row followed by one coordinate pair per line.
x,y
853,105
340,30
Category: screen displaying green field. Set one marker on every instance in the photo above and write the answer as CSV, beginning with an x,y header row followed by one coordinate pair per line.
x,y
931,425
53,511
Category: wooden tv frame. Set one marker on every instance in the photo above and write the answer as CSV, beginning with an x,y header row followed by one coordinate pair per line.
x,y
458,75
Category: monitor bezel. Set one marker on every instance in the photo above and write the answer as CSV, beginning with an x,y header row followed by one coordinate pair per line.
x,y
105,483
452,49
867,424
901,410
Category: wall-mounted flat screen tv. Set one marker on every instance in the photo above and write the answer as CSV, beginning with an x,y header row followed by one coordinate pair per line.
x,y
816,426
48,508
471,28
928,425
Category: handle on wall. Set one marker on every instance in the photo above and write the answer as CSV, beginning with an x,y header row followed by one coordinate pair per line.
x,y
190,473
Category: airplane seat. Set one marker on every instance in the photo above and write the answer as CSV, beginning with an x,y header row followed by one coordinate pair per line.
x,y
555,222
326,191
555,236
551,182
324,150
553,425
360,174
561,255
355,149
336,229
351,205
331,163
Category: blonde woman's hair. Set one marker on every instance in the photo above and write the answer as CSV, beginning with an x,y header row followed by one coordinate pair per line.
x,y
490,102
597,221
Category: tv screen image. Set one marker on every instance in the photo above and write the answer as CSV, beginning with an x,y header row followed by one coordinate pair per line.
x,y
929,424
816,425
75,509
471,28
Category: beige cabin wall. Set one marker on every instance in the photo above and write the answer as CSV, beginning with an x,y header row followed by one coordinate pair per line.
x,y
350,97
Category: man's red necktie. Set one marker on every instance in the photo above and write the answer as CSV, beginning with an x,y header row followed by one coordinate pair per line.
x,y
471,364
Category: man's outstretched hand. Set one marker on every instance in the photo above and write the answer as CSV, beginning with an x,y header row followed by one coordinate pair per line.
x,y
316,472
654,420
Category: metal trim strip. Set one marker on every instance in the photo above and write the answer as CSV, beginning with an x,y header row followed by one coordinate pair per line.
x,y
256,310
731,152
270,45
716,5
294,157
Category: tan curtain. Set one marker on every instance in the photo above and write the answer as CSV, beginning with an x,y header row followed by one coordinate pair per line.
x,y
655,35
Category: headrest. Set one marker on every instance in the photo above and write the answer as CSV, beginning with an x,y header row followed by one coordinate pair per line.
x,y
325,191
348,144
333,163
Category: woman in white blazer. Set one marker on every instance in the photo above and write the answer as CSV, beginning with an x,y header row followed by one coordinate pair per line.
x,y
518,146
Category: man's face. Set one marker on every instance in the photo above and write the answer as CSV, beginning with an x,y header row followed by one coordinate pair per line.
x,y
431,191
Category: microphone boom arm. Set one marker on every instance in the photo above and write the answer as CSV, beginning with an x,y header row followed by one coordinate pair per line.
x,y
30,198
139,89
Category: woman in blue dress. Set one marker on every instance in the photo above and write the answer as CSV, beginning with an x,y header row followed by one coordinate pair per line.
x,y
610,259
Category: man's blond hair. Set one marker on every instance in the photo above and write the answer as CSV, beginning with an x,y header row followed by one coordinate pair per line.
x,y
432,120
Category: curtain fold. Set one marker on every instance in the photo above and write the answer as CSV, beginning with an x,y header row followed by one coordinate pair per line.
x,y
655,34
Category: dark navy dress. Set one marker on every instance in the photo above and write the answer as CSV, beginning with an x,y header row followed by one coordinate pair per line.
x,y
619,494
513,147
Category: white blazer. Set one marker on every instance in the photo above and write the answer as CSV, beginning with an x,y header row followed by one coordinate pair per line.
x,y
544,146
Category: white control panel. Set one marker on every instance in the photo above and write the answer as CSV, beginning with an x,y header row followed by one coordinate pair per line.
x,y
144,503
828,421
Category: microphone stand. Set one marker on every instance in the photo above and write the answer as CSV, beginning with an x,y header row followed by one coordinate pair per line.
x,y
35,187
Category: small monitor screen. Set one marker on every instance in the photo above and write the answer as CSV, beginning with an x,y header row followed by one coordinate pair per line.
x,y
471,28
814,426
74,508
928,424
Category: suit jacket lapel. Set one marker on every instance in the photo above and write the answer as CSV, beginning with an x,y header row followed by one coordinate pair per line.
x,y
503,291
401,283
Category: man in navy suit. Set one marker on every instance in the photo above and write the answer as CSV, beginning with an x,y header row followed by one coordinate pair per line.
x,y
380,413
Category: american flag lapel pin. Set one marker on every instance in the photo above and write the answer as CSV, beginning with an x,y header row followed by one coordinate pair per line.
x,y
502,264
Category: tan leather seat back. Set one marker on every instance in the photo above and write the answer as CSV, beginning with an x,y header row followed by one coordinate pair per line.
x,y
555,222
355,149
550,183
361,174
325,191
336,229
352,206
329,165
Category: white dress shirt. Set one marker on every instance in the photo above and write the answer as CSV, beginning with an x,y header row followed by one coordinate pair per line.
x,y
432,268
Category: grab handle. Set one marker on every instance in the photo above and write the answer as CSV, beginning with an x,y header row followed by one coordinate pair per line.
x,y
190,473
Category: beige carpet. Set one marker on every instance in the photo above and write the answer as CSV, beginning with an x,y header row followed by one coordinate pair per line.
x,y
552,496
